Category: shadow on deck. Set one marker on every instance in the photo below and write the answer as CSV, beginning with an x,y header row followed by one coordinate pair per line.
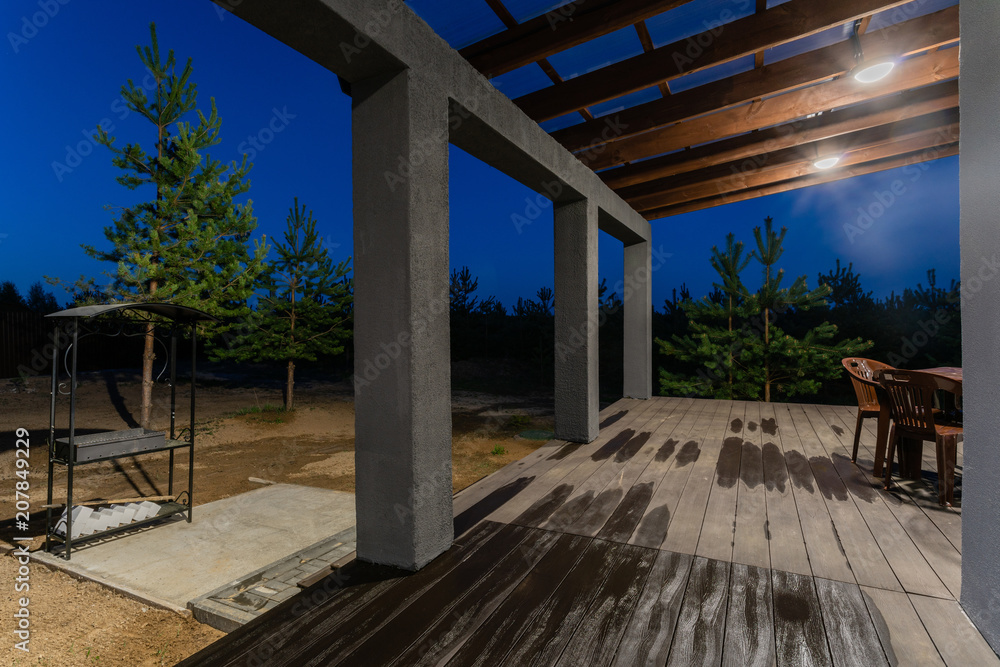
x,y
691,532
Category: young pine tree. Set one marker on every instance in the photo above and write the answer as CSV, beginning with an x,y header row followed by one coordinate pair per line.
x,y
187,244
782,363
306,307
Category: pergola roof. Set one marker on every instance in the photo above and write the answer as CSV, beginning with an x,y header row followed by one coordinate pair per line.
x,y
681,105
168,310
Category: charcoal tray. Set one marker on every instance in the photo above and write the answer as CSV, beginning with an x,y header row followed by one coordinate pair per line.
x,y
96,446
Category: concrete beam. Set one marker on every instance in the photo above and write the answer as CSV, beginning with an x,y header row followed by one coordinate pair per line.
x,y
980,201
577,321
638,323
357,39
401,327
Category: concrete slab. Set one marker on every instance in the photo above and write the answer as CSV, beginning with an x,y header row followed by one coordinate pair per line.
x,y
174,563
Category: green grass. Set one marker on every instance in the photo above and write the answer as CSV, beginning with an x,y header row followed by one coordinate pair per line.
x,y
498,450
258,409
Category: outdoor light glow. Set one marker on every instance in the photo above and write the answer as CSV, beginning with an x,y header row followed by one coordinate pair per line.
x,y
872,72
826,162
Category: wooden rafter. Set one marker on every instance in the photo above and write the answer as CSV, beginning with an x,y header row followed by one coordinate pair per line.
x,y
562,28
905,38
912,73
815,179
858,148
647,45
852,119
778,25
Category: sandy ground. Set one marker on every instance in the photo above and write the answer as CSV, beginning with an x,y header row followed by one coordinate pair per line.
x,y
81,623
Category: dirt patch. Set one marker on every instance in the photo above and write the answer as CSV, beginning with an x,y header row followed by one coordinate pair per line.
x,y
238,436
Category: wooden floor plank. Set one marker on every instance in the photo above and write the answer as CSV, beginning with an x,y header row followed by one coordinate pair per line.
x,y
905,558
787,547
849,629
496,634
685,525
867,561
647,637
406,627
553,622
904,638
826,554
751,534
956,638
614,480
718,527
936,548
750,619
604,622
699,635
670,469
577,464
799,635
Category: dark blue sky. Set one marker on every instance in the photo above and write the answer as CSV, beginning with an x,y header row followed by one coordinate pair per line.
x,y
64,78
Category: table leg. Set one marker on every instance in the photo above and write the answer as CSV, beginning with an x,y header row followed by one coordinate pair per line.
x,y
882,438
911,452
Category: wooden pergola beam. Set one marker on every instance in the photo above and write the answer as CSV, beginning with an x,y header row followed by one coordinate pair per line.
x,y
866,146
816,179
859,117
906,38
562,28
778,25
913,73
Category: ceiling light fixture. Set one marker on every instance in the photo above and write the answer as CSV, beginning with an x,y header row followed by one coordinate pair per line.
x,y
827,162
868,71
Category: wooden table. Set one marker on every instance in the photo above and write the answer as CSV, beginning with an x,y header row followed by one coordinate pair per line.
x,y
911,449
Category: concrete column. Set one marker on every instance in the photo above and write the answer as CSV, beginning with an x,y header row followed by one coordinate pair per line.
x,y
638,357
401,330
577,316
980,232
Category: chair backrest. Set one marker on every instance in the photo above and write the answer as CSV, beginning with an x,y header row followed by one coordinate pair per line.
x,y
911,401
861,372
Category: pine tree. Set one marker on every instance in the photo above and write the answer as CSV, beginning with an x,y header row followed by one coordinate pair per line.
x,y
189,243
735,350
306,306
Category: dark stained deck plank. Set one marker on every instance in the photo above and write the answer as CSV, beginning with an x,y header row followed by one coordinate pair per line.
x,y
827,557
495,635
719,525
553,621
849,629
575,466
785,541
316,644
604,622
450,629
406,628
651,628
903,636
867,561
686,524
750,619
700,633
955,637
799,635
673,463
751,534
907,561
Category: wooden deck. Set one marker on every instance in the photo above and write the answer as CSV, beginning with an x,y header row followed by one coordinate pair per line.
x,y
691,532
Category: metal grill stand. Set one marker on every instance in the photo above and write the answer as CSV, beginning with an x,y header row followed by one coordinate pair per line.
x,y
75,450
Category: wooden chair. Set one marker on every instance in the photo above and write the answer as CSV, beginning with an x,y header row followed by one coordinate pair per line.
x,y
862,373
911,402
